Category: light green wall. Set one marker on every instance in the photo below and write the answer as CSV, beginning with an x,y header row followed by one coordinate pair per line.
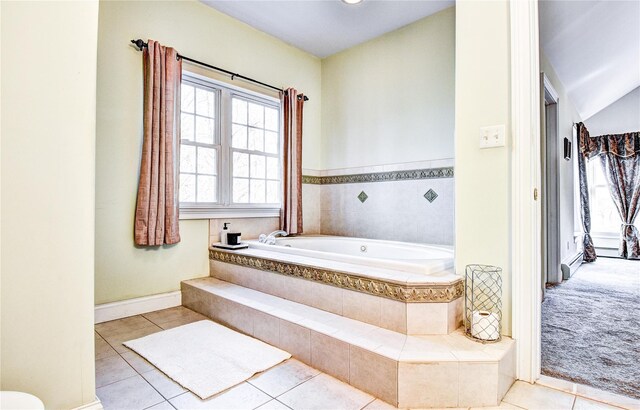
x,y
48,162
391,99
195,30
567,116
483,177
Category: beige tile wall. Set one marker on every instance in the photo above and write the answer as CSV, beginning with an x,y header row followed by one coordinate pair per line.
x,y
250,228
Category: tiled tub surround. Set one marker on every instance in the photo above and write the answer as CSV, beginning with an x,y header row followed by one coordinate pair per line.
x,y
400,301
250,228
405,371
396,207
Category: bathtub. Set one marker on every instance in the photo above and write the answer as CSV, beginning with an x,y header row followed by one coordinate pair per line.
x,y
399,256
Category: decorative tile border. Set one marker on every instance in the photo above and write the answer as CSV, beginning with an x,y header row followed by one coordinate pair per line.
x,y
428,293
429,173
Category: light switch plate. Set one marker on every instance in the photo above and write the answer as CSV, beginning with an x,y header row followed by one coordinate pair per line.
x,y
492,137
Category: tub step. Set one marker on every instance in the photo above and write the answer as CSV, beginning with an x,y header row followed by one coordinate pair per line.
x,y
405,371
423,306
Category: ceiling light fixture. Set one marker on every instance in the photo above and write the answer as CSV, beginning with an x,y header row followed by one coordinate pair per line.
x,y
352,1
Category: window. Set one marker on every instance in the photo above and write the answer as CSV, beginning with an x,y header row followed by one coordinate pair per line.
x,y
255,149
229,151
604,216
605,219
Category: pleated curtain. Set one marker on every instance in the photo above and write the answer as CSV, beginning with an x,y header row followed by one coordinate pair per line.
x,y
157,205
589,251
619,157
291,211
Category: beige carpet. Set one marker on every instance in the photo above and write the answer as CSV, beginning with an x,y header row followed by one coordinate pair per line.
x,y
205,357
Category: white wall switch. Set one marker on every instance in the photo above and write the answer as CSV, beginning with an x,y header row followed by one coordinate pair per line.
x,y
492,137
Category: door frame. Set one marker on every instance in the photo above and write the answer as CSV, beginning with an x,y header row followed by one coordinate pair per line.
x,y
550,192
526,180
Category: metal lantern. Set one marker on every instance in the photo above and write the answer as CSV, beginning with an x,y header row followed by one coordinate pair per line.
x,y
483,303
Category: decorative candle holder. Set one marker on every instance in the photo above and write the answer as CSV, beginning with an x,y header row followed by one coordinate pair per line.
x,y
483,303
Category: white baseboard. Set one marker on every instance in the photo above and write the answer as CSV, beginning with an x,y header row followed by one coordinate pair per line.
x,y
94,405
570,265
137,306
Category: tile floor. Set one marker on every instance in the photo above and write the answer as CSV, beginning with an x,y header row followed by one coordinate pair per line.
x,y
125,381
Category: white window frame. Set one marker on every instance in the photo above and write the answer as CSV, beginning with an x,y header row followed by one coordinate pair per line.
x,y
225,208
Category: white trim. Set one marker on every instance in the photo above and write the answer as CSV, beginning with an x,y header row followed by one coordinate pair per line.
x,y
525,169
228,212
553,94
232,87
94,405
137,306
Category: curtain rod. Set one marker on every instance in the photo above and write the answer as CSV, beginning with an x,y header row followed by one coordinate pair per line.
x,y
141,44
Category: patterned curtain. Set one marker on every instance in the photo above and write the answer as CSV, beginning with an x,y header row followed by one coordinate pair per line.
x,y
620,159
291,212
156,219
589,251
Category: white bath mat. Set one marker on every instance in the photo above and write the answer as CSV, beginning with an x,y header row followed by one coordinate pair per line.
x,y
205,357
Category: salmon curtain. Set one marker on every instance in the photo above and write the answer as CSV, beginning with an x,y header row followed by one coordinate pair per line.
x,y
291,211
156,219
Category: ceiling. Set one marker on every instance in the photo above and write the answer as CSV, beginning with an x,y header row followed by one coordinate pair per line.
x,y
323,28
594,47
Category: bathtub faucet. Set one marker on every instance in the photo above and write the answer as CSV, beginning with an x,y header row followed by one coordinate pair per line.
x,y
271,238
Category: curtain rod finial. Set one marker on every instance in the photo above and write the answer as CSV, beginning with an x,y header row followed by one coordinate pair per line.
x,y
139,43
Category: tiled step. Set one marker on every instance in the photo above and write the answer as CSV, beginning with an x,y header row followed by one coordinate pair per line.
x,y
406,371
415,304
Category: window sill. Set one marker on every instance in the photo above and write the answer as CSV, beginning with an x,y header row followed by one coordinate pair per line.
x,y
228,213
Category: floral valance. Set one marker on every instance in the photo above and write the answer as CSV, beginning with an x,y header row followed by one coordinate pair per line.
x,y
622,145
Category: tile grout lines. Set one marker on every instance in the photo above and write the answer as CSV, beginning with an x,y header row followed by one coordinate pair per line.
x,y
135,370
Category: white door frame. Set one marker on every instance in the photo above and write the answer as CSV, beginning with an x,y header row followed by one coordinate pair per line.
x,y
525,171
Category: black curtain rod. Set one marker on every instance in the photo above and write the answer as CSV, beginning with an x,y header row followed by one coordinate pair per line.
x,y
141,44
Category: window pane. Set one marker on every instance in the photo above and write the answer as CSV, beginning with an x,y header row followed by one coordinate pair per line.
x,y
239,137
599,178
273,192
272,168
240,164
204,130
240,190
187,188
256,115
187,158
204,102
271,119
186,97
256,139
257,191
257,166
271,142
206,161
239,111
186,127
206,188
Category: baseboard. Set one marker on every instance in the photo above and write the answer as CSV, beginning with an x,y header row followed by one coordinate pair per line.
x,y
137,306
94,405
570,265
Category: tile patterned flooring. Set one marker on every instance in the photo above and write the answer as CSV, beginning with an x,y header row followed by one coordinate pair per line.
x,y
125,381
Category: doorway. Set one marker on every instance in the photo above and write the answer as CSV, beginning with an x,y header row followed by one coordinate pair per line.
x,y
551,271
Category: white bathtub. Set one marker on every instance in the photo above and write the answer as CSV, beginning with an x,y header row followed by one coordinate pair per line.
x,y
400,256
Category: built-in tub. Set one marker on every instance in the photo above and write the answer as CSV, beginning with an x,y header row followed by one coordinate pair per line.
x,y
400,256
